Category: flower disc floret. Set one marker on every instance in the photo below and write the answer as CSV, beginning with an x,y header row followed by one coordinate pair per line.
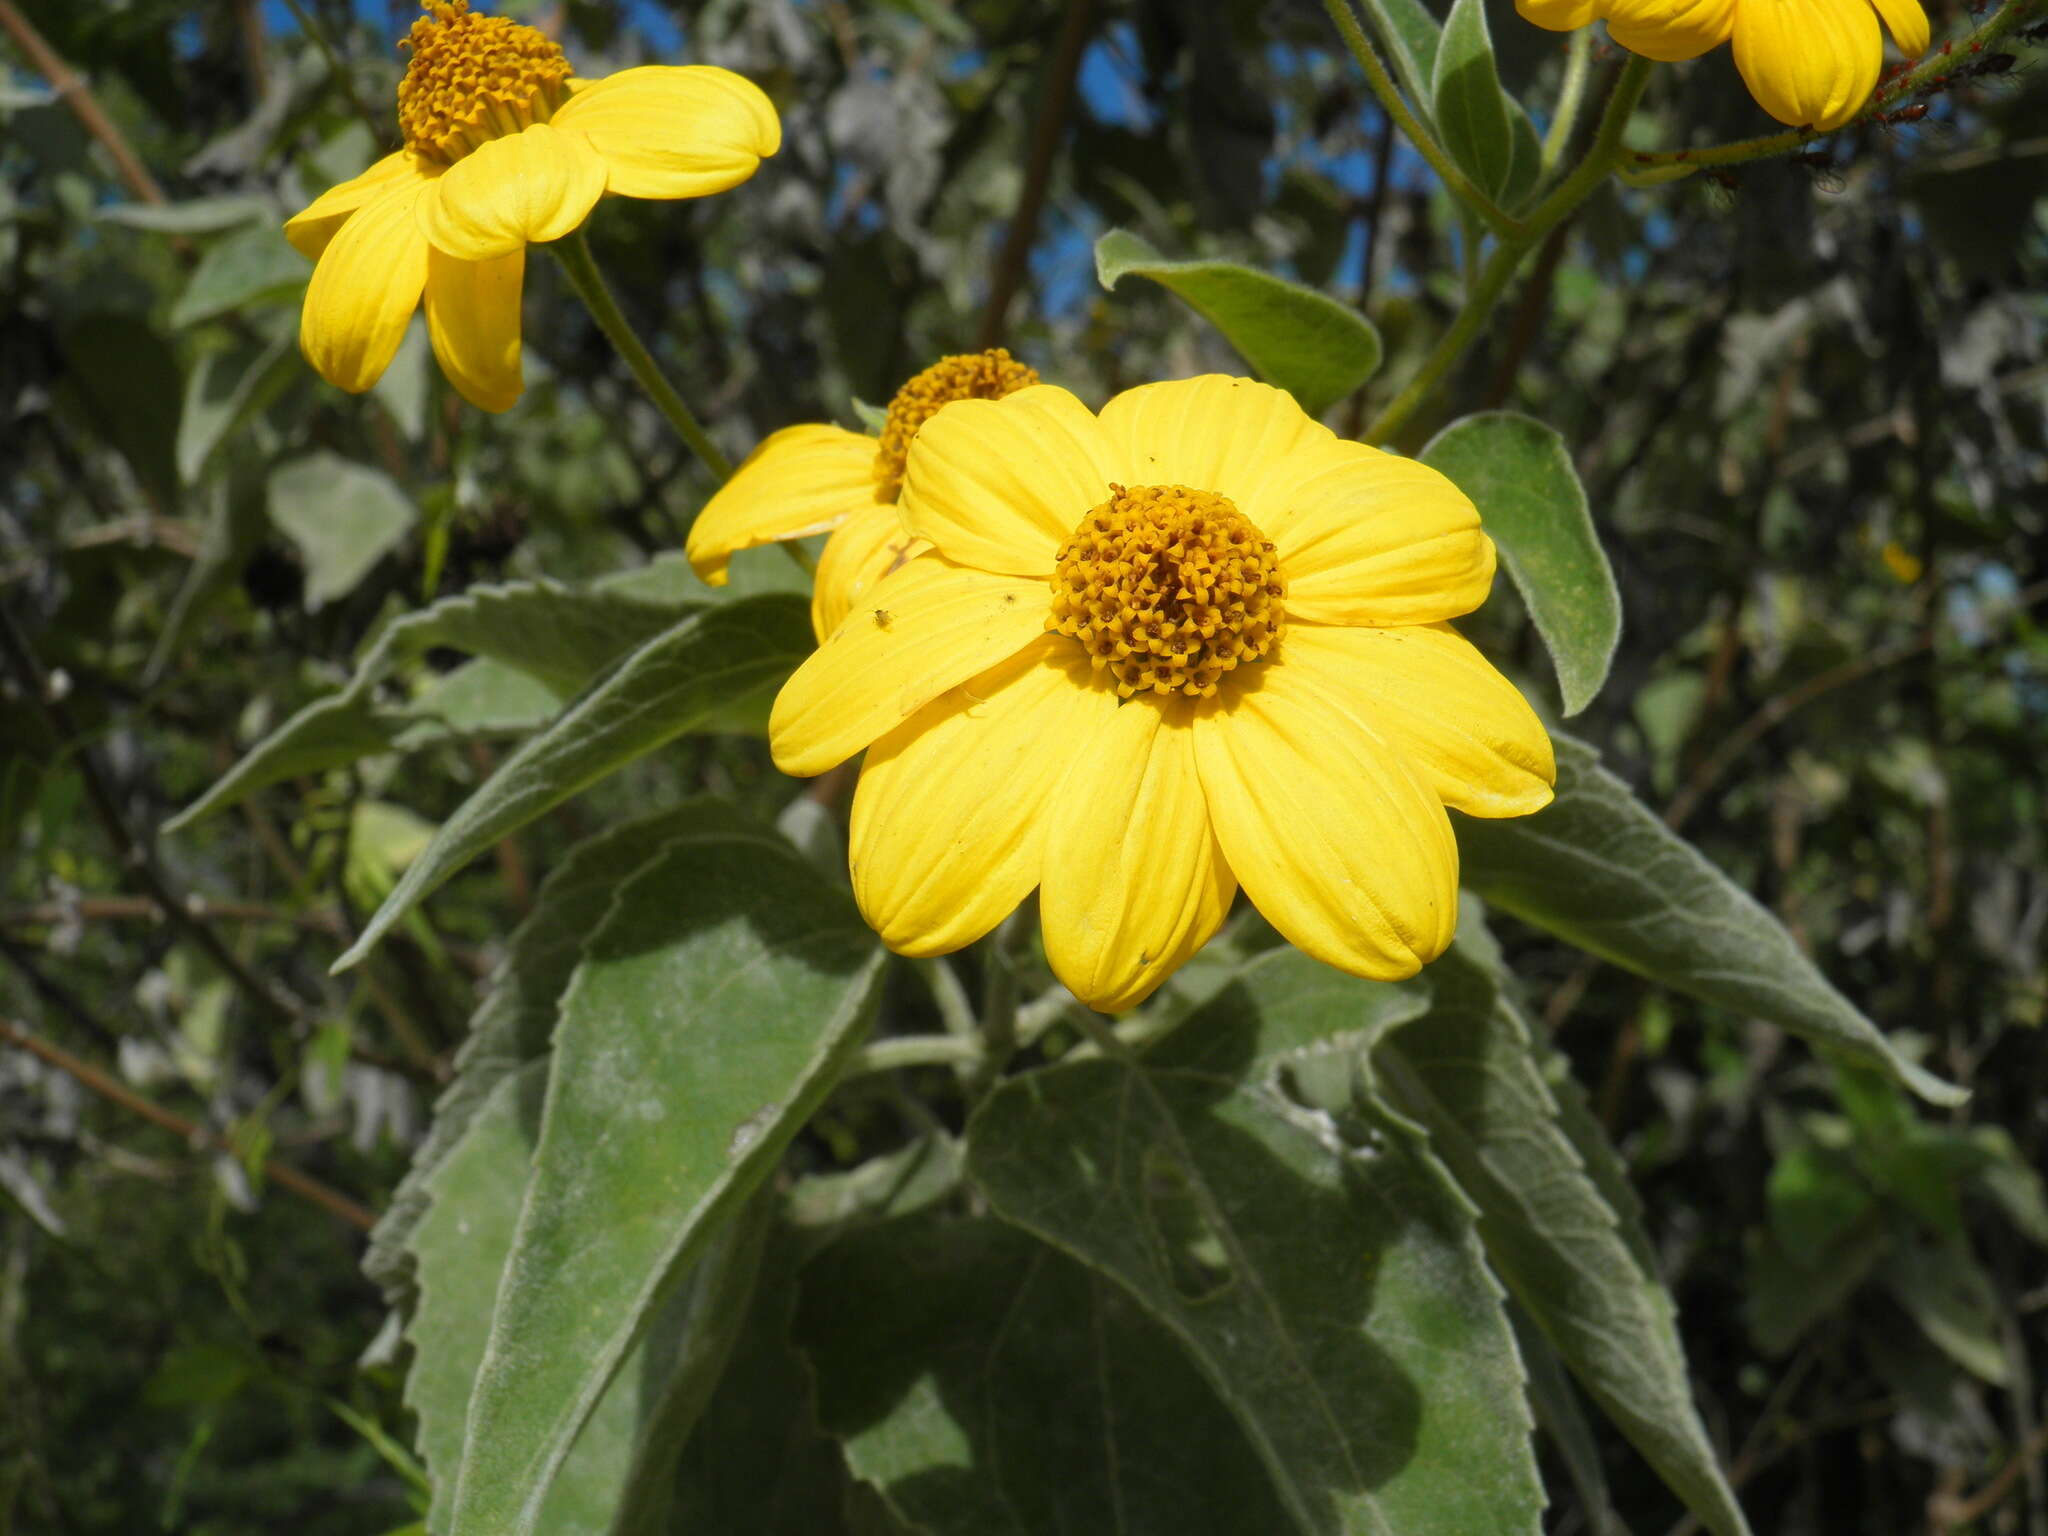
x,y
472,79
1169,589
986,375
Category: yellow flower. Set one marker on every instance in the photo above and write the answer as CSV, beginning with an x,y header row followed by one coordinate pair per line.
x,y
503,149
1195,642
1809,63
816,478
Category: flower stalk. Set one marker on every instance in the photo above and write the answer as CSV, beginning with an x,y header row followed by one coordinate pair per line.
x,y
574,255
1939,64
1500,268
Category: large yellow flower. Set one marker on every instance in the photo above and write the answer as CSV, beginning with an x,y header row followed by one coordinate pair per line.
x,y
1809,63
1195,642
503,149
817,478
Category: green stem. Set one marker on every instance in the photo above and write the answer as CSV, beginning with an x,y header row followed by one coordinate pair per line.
x,y
913,1051
1383,87
1937,66
1507,256
949,996
1578,65
574,255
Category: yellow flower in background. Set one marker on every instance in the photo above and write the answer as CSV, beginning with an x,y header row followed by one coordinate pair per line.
x,y
503,149
1195,642
817,478
1809,63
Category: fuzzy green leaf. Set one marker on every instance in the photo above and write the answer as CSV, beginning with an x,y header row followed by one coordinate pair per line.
x,y
676,681
1468,1073
1010,1390
1600,870
668,1103
1326,1279
1305,342
1519,475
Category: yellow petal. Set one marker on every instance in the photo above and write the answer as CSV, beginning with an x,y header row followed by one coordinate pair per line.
x,y
1669,30
1213,433
473,321
1341,847
950,816
862,550
1559,15
313,226
668,131
1000,484
364,290
1908,24
801,480
930,626
1134,882
1466,731
1366,537
1809,61
523,189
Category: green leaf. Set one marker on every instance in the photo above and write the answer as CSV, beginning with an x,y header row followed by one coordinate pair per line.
x,y
1556,1405
482,697
1307,343
224,391
343,516
668,1102
1467,1072
1600,870
560,636
515,1020
127,386
1946,1292
462,1242
1471,111
248,267
199,216
459,1242
708,662
986,1384
1411,37
1519,475
1325,1278
1281,1007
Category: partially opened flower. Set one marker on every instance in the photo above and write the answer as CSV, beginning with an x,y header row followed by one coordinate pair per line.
x,y
1809,63
503,149
1195,642
817,478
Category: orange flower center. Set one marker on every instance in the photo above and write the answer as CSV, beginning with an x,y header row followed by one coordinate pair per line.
x,y
964,376
472,79
1168,588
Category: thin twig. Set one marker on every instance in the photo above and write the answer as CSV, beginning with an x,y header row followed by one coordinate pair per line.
x,y
78,96
135,854
1776,708
282,1174
1946,1512
1055,96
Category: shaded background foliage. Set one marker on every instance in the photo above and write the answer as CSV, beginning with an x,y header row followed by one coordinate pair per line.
x,y
1806,401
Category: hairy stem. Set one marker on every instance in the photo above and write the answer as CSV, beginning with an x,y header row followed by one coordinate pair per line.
x,y
574,255
1935,68
1508,255
1389,95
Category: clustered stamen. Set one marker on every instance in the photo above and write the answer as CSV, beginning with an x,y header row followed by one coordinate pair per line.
x,y
965,376
472,79
1169,588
